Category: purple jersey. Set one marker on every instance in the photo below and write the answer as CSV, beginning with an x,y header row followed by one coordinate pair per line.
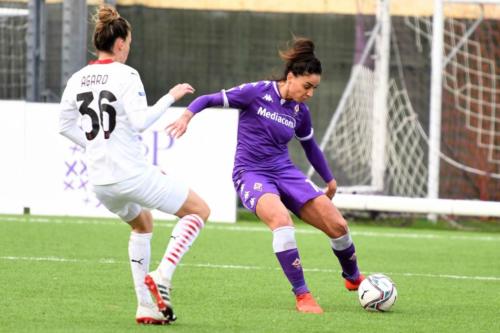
x,y
267,123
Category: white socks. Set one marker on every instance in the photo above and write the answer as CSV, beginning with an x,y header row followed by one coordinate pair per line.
x,y
284,239
341,243
139,251
183,235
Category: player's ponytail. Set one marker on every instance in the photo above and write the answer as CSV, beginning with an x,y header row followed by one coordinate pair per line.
x,y
300,58
109,26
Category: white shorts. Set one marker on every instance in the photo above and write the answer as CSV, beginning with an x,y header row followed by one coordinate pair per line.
x,y
152,189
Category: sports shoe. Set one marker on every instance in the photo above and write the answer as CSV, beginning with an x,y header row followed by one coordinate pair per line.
x,y
353,285
160,289
149,315
307,304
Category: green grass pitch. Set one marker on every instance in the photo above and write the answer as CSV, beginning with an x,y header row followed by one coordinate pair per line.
x,y
72,275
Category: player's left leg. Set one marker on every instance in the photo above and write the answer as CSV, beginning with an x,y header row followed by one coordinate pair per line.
x,y
139,250
140,254
168,195
193,213
308,202
321,213
139,245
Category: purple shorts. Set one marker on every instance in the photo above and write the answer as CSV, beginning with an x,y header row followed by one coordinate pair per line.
x,y
293,187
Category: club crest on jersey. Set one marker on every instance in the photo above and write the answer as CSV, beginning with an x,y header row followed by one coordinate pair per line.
x,y
296,109
142,93
257,187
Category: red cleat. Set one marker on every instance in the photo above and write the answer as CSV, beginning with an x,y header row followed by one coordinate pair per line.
x,y
307,304
353,285
160,290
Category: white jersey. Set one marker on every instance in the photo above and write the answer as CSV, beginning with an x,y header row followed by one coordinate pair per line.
x,y
110,99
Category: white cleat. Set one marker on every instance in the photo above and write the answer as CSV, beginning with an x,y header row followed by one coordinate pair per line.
x,y
160,289
149,315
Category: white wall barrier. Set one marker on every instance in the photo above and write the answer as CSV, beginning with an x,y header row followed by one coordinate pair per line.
x,y
44,171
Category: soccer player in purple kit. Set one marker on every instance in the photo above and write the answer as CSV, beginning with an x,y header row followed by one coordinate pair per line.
x,y
267,181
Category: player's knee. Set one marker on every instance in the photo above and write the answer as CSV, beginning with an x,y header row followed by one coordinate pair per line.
x,y
200,208
278,221
334,225
143,223
204,210
338,228
141,229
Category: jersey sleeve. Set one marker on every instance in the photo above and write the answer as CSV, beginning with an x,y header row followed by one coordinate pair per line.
x,y
136,106
305,134
206,101
133,95
241,96
304,131
68,117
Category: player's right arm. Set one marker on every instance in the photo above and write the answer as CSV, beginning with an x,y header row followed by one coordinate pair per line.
x,y
68,118
135,104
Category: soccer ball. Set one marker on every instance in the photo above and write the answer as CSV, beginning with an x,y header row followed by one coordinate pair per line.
x,y
377,292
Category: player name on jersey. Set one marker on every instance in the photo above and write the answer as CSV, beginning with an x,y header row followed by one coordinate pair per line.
x,y
94,79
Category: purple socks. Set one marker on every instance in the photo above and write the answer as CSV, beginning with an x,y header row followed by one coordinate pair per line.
x,y
347,259
292,267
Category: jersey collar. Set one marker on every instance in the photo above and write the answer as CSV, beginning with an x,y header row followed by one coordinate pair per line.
x,y
277,91
101,62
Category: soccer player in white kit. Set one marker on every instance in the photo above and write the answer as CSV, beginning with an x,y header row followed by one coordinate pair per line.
x,y
108,98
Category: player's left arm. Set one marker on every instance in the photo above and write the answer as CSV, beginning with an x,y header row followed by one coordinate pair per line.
x,y
135,104
305,134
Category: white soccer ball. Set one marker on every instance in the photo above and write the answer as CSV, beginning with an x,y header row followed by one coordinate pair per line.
x,y
377,292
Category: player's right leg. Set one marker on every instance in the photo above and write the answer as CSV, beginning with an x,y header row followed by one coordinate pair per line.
x,y
259,194
271,211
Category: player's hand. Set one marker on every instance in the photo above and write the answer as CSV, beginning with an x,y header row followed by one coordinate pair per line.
x,y
181,89
331,188
179,127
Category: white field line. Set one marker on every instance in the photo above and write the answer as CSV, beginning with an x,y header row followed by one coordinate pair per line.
x,y
243,267
236,228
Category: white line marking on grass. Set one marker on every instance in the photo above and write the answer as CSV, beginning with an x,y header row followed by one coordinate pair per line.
x,y
236,228
58,259
108,261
